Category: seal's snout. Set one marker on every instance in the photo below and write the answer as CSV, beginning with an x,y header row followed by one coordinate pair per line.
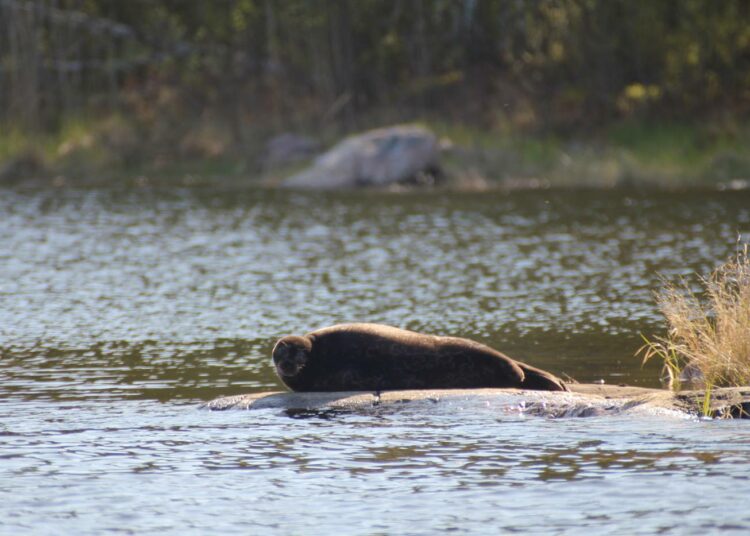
x,y
286,368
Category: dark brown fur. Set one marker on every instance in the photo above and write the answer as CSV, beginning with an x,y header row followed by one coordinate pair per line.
x,y
374,357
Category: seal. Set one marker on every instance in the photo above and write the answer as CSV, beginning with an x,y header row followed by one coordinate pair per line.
x,y
375,357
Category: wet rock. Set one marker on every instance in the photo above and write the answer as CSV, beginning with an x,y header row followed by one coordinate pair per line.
x,y
583,400
292,401
377,158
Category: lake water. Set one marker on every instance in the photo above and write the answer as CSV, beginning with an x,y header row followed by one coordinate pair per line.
x,y
122,310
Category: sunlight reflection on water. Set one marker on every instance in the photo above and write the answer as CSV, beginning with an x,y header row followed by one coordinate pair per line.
x,y
121,309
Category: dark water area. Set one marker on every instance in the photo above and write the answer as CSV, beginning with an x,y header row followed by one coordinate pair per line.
x,y
121,310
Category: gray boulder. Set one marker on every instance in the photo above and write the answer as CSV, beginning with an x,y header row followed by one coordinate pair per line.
x,y
376,158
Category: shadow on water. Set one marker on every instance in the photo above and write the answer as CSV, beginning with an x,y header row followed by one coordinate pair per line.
x,y
323,414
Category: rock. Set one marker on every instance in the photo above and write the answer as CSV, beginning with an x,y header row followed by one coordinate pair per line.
x,y
378,158
288,148
287,400
583,400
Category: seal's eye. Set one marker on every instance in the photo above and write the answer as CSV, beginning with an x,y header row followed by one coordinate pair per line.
x,y
286,368
300,357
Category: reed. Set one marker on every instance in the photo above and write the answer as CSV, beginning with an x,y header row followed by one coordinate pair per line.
x,y
708,337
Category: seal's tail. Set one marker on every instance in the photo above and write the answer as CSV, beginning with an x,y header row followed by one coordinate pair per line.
x,y
540,380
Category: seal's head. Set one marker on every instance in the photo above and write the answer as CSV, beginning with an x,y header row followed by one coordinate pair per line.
x,y
290,355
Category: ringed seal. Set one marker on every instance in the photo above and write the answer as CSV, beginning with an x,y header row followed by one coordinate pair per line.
x,y
375,357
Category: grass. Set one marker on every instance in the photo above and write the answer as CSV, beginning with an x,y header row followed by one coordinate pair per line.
x,y
626,153
708,334
117,150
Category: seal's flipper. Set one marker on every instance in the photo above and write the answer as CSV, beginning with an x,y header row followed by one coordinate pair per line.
x,y
535,378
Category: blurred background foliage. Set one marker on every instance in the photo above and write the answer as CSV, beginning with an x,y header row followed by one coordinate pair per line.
x,y
210,77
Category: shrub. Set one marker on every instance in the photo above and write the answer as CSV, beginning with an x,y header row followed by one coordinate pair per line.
x,y
708,338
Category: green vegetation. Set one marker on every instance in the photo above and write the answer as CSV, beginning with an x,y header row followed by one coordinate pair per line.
x,y
115,148
601,92
708,341
625,153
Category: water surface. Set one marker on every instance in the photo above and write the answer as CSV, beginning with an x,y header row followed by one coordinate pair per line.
x,y
120,310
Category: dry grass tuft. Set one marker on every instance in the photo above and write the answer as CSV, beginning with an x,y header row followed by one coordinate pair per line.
x,y
709,334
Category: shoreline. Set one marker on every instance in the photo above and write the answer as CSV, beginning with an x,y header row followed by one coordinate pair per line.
x,y
623,156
